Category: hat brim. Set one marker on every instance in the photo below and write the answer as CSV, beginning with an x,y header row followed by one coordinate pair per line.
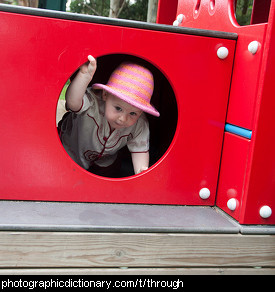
x,y
146,107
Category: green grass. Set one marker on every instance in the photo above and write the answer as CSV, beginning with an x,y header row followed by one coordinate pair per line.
x,y
62,94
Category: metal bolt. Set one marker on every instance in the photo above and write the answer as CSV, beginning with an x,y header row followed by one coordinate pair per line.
x,y
204,193
176,23
232,204
180,18
265,211
222,53
253,47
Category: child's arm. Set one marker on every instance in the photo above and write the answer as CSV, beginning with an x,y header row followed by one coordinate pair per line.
x,y
140,161
77,88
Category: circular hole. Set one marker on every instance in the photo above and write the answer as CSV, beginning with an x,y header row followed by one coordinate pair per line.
x,y
162,129
212,7
243,11
197,9
212,4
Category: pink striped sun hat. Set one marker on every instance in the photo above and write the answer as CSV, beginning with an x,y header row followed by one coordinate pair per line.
x,y
131,83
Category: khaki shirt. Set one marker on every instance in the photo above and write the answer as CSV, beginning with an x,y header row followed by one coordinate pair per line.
x,y
87,137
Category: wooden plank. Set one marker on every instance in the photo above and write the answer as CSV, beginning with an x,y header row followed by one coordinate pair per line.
x,y
93,250
141,271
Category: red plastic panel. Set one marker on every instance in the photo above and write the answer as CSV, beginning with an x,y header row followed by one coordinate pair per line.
x,y
251,190
39,55
247,168
260,12
219,15
245,80
233,173
167,11
261,191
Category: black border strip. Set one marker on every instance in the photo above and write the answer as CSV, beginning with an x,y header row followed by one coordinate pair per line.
x,y
116,22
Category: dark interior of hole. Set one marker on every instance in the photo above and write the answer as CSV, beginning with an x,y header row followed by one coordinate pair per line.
x,y
162,129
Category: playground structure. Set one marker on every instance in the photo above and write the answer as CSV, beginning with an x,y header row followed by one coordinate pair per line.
x,y
212,145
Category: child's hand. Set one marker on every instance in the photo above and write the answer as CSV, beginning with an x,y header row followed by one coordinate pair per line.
x,y
140,161
77,88
143,168
89,68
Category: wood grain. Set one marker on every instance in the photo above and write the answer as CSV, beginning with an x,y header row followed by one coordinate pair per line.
x,y
141,271
95,250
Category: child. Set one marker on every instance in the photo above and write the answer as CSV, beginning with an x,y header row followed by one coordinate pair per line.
x,y
99,126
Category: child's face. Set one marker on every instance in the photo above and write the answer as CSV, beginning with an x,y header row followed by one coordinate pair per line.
x,y
119,113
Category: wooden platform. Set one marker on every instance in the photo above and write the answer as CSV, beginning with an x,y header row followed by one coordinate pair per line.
x,y
33,249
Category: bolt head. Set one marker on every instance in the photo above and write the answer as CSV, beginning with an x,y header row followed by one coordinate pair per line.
x,y
180,18
204,193
222,53
232,204
265,212
253,47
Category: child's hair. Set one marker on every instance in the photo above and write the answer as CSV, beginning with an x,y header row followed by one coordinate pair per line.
x,y
132,83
